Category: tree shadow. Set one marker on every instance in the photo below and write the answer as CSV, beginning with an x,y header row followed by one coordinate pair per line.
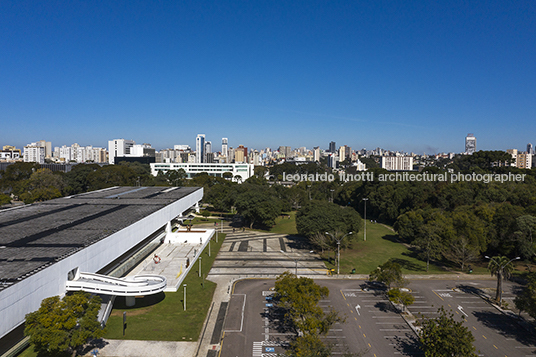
x,y
93,344
506,326
473,290
148,300
384,306
408,345
298,242
277,320
392,238
406,264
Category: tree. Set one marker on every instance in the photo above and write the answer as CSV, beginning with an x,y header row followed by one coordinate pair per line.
x,y
428,240
63,326
308,346
258,206
501,267
321,216
176,177
445,337
299,298
526,300
388,273
461,252
398,296
527,227
42,185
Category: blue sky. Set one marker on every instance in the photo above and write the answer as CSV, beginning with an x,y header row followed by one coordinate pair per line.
x,y
414,76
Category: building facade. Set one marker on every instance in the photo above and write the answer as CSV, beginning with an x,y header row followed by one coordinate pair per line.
x,y
397,163
470,144
244,171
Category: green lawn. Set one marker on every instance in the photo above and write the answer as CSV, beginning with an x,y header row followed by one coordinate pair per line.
x,y
380,246
284,225
162,317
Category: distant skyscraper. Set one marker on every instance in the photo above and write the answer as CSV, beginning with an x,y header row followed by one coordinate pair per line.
x,y
208,157
224,147
530,149
316,154
470,144
332,148
199,148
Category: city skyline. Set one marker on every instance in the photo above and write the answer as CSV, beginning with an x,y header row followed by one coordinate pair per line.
x,y
414,78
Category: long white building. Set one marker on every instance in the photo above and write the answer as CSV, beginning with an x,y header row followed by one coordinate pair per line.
x,y
44,245
245,171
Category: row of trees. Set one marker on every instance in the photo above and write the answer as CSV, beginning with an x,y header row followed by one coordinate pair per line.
x,y
440,336
298,299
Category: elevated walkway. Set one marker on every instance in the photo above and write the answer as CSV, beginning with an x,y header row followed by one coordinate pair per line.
x,y
129,286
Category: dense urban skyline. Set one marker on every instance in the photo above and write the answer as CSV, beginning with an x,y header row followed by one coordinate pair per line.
x,y
414,78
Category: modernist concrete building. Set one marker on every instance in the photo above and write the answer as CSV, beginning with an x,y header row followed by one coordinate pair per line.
x,y
245,171
44,246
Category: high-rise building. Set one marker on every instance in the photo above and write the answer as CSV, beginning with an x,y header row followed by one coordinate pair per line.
x,y
316,154
332,148
48,148
208,156
119,147
470,144
333,160
225,148
522,160
199,148
530,149
241,154
34,153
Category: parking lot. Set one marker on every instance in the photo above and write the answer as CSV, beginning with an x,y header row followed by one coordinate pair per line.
x,y
372,324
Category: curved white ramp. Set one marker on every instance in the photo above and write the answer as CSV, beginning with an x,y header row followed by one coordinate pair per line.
x,y
128,286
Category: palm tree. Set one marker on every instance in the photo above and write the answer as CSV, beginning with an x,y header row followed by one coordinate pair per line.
x,y
501,267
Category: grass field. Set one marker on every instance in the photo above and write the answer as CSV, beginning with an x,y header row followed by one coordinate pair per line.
x,y
284,225
161,317
380,246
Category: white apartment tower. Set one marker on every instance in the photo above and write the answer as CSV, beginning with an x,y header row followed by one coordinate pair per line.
x,y
225,148
199,148
34,153
470,144
119,147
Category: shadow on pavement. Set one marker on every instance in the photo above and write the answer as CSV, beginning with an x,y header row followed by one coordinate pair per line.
x,y
506,326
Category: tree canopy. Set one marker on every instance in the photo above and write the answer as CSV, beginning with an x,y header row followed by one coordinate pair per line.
x,y
64,325
445,337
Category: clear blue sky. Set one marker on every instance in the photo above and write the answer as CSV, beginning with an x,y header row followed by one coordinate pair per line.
x,y
414,76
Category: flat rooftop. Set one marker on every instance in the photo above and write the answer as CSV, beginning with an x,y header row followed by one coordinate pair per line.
x,y
35,236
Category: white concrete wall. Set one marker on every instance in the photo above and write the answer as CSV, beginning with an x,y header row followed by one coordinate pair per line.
x,y
26,295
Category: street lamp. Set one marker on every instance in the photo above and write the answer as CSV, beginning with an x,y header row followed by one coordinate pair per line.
x,y
498,296
200,264
295,261
332,195
184,297
365,236
338,248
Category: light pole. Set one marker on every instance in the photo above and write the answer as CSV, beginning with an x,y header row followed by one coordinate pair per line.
x,y
184,297
499,272
295,261
332,195
200,264
309,189
365,236
338,248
